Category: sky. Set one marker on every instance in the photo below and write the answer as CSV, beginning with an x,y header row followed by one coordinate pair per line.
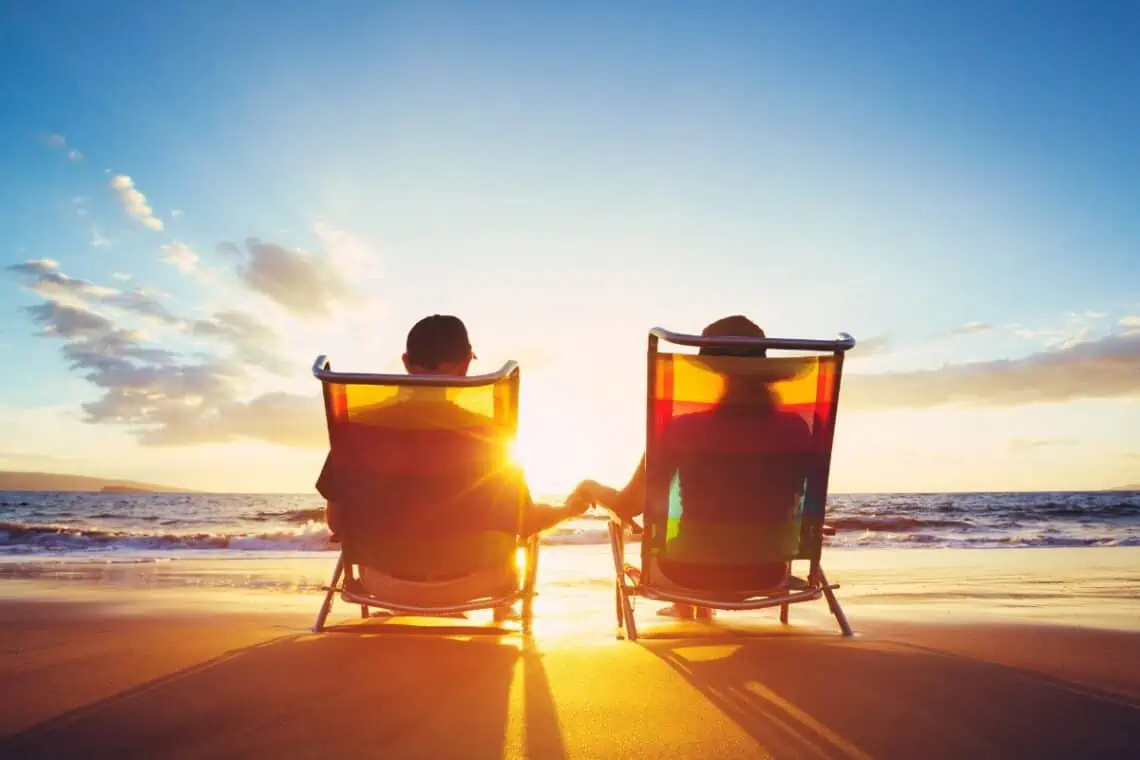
x,y
196,200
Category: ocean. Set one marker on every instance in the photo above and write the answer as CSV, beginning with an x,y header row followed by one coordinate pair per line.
x,y
108,525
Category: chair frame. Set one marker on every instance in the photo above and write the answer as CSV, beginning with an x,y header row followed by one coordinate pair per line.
x,y
525,589
629,583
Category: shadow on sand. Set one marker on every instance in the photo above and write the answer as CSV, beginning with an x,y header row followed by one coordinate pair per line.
x,y
816,695
369,689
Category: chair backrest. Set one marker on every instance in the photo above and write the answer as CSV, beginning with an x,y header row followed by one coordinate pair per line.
x,y
423,455
738,450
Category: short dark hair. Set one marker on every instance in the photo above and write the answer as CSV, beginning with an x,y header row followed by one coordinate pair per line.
x,y
736,326
436,340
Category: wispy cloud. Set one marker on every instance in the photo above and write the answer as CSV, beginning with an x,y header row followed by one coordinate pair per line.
x,y
873,346
972,328
306,284
1027,444
177,213
122,276
134,202
59,142
1103,368
98,240
42,276
1130,323
181,256
164,397
1077,328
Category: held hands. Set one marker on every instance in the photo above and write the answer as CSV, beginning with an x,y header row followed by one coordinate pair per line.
x,y
580,500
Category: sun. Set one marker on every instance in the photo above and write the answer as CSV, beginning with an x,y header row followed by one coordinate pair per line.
x,y
552,462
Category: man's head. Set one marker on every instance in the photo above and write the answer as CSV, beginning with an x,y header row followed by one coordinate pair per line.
x,y
438,345
736,326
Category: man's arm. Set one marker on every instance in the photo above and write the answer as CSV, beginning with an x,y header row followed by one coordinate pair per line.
x,y
540,517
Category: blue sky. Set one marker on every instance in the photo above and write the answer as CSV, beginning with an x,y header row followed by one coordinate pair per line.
x,y
955,185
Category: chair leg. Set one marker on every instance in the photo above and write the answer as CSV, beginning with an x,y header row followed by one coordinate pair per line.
x,y
833,604
326,606
784,613
626,626
627,609
364,610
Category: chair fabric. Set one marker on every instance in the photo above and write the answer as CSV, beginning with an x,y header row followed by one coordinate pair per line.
x,y
423,477
737,458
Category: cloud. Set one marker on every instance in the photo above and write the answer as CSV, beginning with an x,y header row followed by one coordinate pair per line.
x,y
140,303
177,213
1078,328
98,240
972,328
253,341
308,285
1108,367
1027,444
873,346
51,284
134,202
162,396
181,256
122,276
59,142
1130,323
36,266
68,321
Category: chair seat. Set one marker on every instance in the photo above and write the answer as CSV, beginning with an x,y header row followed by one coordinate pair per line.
x,y
793,584
383,590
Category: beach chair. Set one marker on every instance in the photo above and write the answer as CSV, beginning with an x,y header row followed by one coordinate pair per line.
x,y
426,451
738,450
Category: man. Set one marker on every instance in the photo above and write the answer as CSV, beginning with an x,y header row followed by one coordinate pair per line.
x,y
769,486
433,527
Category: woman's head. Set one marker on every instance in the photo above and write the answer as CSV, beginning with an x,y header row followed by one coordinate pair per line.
x,y
736,326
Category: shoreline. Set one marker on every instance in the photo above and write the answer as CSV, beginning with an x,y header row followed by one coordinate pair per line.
x,y
1095,587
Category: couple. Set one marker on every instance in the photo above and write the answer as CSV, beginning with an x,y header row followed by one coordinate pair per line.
x,y
439,345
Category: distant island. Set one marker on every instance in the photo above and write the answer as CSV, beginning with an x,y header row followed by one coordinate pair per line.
x,y
53,481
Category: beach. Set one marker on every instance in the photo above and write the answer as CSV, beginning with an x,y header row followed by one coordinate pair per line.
x,y
957,653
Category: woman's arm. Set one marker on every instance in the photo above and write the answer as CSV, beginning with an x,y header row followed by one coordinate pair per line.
x,y
626,503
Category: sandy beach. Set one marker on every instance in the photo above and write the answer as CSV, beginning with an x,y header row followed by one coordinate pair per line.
x,y
957,654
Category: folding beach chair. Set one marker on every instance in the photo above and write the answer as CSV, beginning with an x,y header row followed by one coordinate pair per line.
x,y
738,450
425,453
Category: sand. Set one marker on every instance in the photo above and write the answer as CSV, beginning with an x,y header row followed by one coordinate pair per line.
x,y
939,669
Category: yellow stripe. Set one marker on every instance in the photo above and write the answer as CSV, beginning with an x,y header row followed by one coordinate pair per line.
x,y
811,723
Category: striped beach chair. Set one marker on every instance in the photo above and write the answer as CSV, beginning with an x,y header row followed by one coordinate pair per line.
x,y
738,450
424,454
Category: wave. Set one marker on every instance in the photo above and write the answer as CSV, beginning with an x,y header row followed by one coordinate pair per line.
x,y
893,524
24,538
312,514
852,533
60,538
